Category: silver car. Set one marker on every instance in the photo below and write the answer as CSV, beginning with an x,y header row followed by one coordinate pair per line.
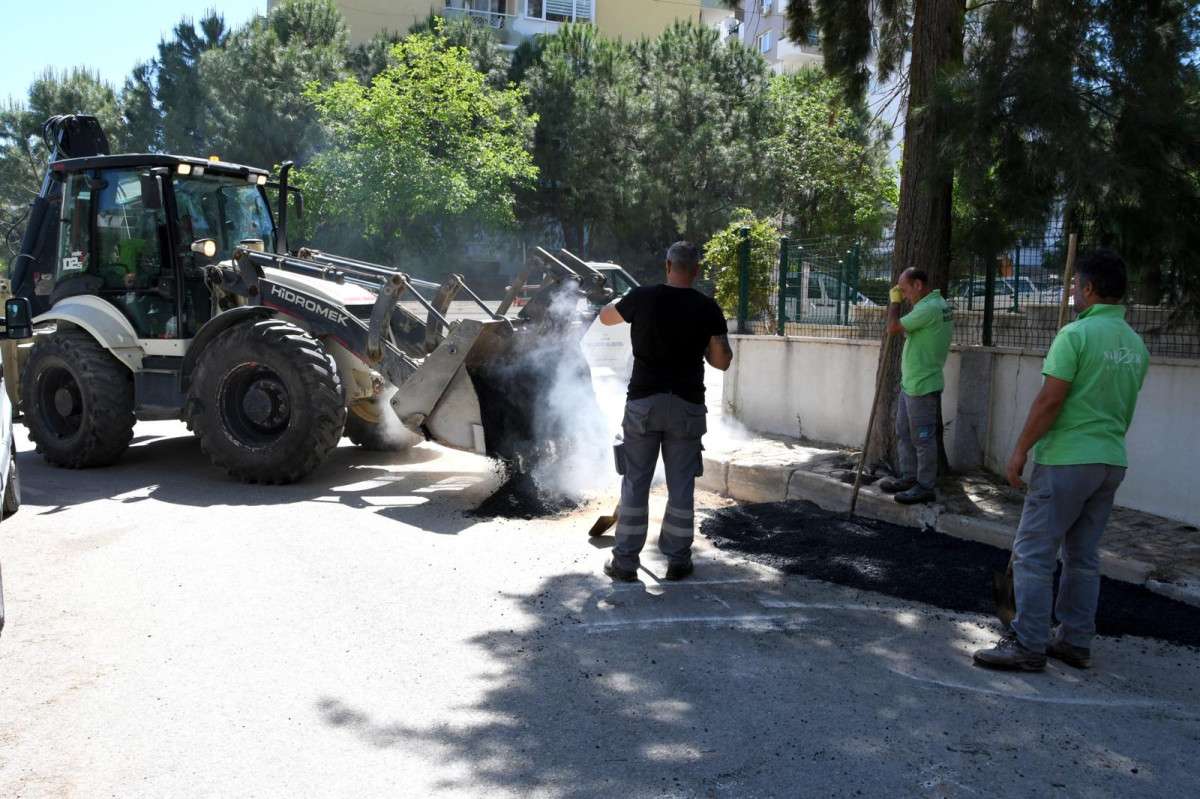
x,y
10,483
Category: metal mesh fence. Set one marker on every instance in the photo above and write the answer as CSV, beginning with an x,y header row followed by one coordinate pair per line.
x,y
837,288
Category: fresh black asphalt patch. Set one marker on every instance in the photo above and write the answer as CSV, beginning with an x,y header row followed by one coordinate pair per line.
x,y
520,497
918,565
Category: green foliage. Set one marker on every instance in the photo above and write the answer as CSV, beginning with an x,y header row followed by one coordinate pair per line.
x,y
258,112
22,154
721,263
178,87
827,166
428,151
706,111
1093,109
584,91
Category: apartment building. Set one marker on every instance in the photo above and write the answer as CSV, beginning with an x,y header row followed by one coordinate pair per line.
x,y
517,20
763,28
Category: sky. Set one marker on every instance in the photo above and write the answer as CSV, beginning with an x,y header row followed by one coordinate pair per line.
x,y
109,36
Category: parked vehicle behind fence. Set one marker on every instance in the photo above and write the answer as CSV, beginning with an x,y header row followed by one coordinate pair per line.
x,y
972,294
827,299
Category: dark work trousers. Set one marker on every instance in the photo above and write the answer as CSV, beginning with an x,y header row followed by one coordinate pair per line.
x,y
675,426
1066,510
916,437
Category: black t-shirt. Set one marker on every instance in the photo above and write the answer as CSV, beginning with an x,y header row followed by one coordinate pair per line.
x,y
671,328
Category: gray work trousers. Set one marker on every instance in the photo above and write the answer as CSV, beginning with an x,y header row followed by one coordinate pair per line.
x,y
670,424
916,437
1066,509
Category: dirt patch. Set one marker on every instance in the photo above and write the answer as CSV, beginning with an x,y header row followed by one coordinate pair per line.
x,y
922,566
520,498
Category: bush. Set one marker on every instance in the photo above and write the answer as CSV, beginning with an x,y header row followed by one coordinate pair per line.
x,y
721,263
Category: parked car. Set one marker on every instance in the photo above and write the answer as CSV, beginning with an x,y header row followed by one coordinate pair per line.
x,y
10,483
825,299
972,293
605,347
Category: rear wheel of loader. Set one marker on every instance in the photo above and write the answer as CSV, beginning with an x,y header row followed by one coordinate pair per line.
x,y
267,402
77,400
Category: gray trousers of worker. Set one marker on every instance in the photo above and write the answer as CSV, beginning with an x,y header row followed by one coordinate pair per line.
x,y
916,437
1066,509
673,426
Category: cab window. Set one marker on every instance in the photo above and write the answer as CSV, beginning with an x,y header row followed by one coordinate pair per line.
x,y
127,253
619,283
109,236
224,208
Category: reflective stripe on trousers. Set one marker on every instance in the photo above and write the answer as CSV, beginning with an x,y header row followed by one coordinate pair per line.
x,y
666,424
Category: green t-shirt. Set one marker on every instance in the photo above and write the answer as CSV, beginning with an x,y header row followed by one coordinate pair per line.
x,y
1105,362
928,329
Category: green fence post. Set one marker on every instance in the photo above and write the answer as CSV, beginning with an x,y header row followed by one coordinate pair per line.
x,y
989,298
971,287
1016,280
743,310
781,318
852,281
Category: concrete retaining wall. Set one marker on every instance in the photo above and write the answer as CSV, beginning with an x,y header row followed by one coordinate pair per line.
x,y
821,389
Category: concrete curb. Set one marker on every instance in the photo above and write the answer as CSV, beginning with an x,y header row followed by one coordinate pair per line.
x,y
747,480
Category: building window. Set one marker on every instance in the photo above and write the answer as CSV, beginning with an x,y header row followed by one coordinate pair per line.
x,y
559,10
766,6
764,43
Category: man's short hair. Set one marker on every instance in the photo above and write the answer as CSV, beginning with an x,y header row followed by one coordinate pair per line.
x,y
1105,270
919,274
684,255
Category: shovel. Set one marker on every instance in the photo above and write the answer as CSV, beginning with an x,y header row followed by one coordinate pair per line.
x,y
604,523
1004,595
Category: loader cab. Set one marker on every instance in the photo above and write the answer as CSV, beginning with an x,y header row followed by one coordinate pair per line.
x,y
127,228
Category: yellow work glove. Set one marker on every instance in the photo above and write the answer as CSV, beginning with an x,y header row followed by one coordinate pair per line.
x,y
895,295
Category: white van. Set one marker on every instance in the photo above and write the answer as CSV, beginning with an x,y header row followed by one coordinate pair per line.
x,y
610,349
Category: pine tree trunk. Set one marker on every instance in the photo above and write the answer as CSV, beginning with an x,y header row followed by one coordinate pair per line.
x,y
926,186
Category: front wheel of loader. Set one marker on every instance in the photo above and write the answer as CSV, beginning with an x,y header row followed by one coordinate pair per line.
x,y
267,402
77,400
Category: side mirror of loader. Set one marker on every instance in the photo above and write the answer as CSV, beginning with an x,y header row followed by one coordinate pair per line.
x,y
18,318
152,197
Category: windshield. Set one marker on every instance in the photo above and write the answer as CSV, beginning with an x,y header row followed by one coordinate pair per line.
x,y
618,281
224,208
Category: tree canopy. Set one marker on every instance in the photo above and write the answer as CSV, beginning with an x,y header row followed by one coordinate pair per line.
x,y
428,151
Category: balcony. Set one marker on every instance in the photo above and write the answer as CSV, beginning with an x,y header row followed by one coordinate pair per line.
x,y
518,20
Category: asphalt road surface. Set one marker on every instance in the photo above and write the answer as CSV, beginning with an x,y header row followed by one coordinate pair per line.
x,y
171,633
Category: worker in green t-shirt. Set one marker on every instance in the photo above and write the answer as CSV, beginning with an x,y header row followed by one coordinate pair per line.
x,y
927,329
1076,428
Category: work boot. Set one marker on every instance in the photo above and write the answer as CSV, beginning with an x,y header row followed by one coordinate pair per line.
x,y
894,485
618,574
679,571
1009,653
1072,655
915,496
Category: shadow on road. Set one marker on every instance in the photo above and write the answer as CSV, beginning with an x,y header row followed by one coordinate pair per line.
x,y
173,469
739,685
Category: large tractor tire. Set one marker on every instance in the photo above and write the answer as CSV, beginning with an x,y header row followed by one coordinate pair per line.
x,y
266,402
77,400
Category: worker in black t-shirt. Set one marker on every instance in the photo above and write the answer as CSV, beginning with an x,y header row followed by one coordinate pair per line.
x,y
674,330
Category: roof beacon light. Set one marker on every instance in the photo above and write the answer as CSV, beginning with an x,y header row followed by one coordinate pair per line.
x,y
214,158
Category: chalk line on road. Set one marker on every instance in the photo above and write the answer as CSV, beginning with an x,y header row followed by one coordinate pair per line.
x,y
1075,701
